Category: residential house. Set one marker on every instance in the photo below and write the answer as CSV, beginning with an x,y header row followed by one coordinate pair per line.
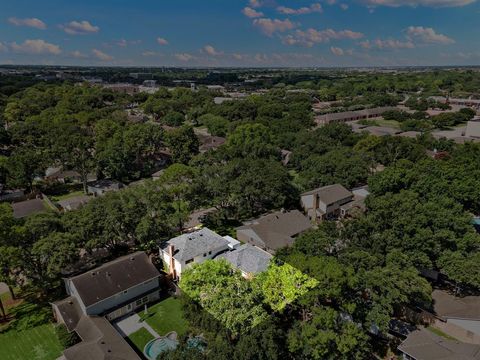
x,y
28,207
102,294
274,231
74,203
115,288
458,317
192,248
210,142
11,195
59,175
473,129
325,202
249,259
425,345
100,341
195,219
100,187
352,115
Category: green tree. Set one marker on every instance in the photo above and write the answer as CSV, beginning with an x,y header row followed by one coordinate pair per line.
x,y
183,143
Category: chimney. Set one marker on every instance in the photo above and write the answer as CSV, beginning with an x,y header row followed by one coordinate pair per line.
x,y
171,266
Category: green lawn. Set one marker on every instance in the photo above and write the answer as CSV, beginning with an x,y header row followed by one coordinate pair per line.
x,y
140,338
166,316
67,196
389,123
440,333
39,343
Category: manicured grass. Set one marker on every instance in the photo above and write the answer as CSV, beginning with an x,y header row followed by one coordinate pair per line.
x,y
440,333
166,316
389,123
67,196
140,338
39,343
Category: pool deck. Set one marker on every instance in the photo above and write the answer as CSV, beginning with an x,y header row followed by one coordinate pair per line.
x,y
132,323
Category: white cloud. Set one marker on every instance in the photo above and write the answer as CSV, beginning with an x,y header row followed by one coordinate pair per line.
x,y
416,3
30,22
149,53
210,50
3,47
337,51
311,37
162,41
183,57
79,28
122,43
428,35
251,13
314,8
100,55
78,55
269,26
238,56
38,46
255,3
394,44
344,6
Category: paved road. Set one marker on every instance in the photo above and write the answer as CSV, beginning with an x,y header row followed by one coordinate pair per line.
x,y
131,324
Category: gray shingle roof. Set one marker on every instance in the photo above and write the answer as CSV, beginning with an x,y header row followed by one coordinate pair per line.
x,y
100,341
424,345
248,258
114,277
188,246
28,207
449,306
278,229
331,193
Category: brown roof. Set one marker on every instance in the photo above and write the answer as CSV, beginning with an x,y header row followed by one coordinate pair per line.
x,y
330,194
277,230
100,341
28,207
114,277
425,345
70,311
446,305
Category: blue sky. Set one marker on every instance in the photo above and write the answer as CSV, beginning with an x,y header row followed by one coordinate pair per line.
x,y
240,32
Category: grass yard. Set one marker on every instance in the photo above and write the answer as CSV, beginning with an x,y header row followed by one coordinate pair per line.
x,y
389,123
67,196
166,316
440,333
39,343
140,338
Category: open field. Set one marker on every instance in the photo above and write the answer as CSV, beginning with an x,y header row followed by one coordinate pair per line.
x,y
39,343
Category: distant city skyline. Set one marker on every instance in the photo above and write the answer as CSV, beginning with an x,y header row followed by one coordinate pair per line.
x,y
246,33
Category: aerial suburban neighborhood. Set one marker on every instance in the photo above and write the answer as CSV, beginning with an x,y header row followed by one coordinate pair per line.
x,y
249,180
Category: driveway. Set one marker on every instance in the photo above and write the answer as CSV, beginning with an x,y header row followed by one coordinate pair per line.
x,y
132,323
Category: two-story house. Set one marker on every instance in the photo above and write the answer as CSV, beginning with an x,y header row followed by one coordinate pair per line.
x,y
196,247
115,288
325,202
102,294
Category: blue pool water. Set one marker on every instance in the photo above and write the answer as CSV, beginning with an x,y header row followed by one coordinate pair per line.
x,y
157,346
